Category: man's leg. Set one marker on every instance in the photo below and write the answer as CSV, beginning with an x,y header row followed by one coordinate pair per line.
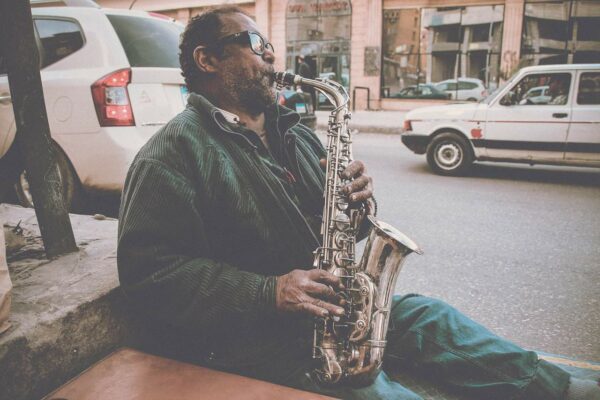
x,y
291,365
382,389
436,340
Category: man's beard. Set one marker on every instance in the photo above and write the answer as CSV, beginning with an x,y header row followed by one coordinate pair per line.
x,y
253,95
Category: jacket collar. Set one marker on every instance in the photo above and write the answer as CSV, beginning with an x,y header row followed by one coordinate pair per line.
x,y
276,116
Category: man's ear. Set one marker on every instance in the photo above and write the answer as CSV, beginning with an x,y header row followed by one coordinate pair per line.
x,y
205,61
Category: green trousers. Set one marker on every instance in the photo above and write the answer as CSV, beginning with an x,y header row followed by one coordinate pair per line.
x,y
430,338
425,337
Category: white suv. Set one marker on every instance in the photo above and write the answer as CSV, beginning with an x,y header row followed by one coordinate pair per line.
x,y
111,78
560,127
469,89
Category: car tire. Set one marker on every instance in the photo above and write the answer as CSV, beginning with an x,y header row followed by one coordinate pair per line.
x,y
73,193
471,99
449,154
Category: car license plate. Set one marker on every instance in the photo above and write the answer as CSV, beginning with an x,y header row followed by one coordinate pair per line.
x,y
301,108
184,94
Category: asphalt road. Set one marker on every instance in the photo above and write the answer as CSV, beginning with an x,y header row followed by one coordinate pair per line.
x,y
515,247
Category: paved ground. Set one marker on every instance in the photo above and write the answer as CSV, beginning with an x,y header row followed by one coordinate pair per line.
x,y
369,121
515,247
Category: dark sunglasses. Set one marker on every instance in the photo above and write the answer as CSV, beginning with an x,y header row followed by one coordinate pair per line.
x,y
257,43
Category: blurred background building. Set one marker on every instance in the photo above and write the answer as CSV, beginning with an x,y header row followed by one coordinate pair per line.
x,y
389,45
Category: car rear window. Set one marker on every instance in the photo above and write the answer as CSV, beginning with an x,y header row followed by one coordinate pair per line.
x,y
466,85
148,42
59,38
589,88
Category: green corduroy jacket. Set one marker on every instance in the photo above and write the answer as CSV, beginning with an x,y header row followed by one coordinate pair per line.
x,y
206,224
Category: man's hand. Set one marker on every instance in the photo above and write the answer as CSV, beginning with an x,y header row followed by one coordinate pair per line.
x,y
361,187
310,292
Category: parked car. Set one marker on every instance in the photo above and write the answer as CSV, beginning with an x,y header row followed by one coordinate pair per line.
x,y
111,78
470,89
300,102
563,131
537,95
422,91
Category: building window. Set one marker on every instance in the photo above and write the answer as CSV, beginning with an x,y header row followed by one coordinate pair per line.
x,y
561,32
320,30
452,43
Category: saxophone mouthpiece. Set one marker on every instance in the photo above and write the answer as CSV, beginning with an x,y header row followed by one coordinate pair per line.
x,y
285,79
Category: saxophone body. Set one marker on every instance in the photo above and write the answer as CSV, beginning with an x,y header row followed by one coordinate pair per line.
x,y
350,349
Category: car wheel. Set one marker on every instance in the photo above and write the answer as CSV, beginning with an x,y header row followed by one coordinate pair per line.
x,y
72,191
449,154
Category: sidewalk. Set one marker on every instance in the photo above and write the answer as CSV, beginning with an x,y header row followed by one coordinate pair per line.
x,y
389,122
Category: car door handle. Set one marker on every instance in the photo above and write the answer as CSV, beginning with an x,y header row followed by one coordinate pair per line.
x,y
560,115
5,98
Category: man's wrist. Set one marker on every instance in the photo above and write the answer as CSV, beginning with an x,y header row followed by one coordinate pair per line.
x,y
267,295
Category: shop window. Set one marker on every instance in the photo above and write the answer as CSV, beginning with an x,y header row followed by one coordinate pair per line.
x,y
401,53
566,28
451,43
320,31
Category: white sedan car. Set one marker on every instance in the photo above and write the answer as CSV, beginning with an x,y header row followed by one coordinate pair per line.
x,y
563,129
111,78
470,89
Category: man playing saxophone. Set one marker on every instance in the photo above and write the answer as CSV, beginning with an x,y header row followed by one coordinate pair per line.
x,y
219,219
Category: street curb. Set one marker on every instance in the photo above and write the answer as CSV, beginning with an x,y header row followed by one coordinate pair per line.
x,y
389,130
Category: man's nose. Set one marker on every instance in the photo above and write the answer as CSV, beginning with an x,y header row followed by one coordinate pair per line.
x,y
269,56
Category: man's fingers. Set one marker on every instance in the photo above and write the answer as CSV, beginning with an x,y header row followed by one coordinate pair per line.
x,y
321,291
361,196
323,276
354,169
312,309
321,308
357,184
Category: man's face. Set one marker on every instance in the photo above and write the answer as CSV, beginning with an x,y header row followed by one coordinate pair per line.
x,y
247,77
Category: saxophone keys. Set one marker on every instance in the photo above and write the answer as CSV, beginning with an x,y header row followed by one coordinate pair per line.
x,y
341,239
361,325
341,203
341,259
341,222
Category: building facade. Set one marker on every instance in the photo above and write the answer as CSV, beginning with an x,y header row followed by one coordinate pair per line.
x,y
379,47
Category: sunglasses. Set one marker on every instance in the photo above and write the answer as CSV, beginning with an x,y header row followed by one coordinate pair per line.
x,y
257,43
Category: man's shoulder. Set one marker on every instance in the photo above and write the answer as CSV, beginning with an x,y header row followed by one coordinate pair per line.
x,y
183,129
186,133
307,135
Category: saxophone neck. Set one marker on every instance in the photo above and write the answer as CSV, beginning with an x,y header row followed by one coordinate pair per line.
x,y
334,91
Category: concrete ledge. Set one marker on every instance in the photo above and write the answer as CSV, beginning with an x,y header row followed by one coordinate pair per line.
x,y
66,313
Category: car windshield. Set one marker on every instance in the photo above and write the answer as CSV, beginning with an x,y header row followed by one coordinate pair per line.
x,y
492,96
148,42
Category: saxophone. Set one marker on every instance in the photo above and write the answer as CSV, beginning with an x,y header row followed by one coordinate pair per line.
x,y
351,348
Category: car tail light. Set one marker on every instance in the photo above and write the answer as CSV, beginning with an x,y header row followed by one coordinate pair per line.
x,y
407,125
484,93
112,99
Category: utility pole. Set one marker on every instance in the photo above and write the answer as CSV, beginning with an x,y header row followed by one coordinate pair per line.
x,y
33,133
